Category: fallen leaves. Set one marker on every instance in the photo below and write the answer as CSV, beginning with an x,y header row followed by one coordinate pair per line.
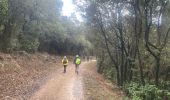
x,y
98,88
22,75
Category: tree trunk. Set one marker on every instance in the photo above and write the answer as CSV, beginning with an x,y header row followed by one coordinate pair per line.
x,y
141,67
157,70
118,78
125,71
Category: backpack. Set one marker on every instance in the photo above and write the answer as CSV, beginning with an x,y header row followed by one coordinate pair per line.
x,y
64,61
78,61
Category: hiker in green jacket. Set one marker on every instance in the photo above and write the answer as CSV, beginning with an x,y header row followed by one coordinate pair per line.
x,y
77,62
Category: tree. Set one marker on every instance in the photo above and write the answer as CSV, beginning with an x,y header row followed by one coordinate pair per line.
x,y
133,35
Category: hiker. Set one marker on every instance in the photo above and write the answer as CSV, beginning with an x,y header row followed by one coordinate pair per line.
x,y
88,58
77,62
65,63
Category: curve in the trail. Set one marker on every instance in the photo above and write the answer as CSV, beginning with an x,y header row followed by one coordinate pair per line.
x,y
63,86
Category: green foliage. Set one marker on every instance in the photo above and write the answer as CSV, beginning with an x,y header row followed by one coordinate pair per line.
x,y
165,85
147,92
3,10
33,25
29,43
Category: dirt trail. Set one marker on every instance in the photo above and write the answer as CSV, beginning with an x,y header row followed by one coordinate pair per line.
x,y
88,85
63,86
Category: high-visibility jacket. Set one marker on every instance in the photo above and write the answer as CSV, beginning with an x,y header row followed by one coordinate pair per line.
x,y
78,61
65,61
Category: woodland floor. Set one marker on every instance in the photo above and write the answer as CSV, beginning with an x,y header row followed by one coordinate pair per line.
x,y
40,77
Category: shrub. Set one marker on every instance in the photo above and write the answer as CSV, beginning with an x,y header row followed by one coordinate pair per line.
x,y
29,44
147,92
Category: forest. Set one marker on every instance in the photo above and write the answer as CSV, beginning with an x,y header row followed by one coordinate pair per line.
x,y
38,25
132,41
130,38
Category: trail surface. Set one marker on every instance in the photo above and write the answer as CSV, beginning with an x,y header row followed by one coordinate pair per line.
x,y
63,86
88,85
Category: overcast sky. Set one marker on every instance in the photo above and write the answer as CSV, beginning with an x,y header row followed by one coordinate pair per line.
x,y
68,7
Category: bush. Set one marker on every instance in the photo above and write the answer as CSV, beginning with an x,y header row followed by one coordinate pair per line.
x,y
29,44
147,92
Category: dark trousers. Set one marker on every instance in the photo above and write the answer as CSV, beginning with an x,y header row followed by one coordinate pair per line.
x,y
77,69
65,66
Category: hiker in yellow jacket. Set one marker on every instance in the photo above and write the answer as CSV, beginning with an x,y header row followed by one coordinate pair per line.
x,y
65,63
